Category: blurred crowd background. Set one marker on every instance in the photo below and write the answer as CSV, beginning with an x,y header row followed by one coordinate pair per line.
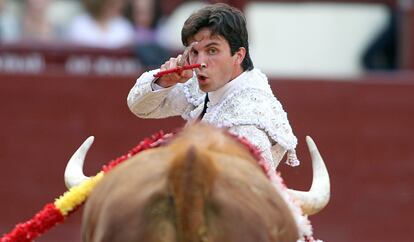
x,y
288,38
343,69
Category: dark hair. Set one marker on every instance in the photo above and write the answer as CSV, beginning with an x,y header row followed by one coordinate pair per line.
x,y
220,19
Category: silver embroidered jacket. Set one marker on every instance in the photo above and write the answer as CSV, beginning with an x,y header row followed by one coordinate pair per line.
x,y
246,106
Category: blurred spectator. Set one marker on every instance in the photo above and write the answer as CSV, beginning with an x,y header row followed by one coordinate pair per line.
x,y
9,24
1,6
146,16
382,53
102,25
1,15
35,26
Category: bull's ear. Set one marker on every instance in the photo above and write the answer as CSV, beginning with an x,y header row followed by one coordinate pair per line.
x,y
318,196
74,169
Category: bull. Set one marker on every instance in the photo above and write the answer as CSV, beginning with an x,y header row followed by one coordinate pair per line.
x,y
203,186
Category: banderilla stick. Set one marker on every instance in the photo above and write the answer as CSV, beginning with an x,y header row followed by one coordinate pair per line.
x,y
179,69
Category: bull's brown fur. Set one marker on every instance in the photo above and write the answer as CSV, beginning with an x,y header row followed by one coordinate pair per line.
x,y
191,178
204,186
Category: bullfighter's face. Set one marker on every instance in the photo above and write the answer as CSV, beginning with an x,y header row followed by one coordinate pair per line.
x,y
214,51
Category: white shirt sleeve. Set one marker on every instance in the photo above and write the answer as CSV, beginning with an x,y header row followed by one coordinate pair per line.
x,y
146,100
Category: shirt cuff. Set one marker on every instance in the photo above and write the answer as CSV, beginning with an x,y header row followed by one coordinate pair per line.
x,y
155,87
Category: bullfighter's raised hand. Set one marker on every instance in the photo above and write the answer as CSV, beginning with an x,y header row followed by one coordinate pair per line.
x,y
176,77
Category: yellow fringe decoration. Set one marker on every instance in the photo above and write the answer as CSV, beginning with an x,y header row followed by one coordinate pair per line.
x,y
77,195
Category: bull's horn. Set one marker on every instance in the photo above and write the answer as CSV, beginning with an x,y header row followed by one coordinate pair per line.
x,y
74,169
318,196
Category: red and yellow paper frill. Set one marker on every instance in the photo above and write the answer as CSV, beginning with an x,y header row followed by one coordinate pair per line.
x,y
55,213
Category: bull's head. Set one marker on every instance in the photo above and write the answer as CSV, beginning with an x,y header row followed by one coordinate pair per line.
x,y
201,184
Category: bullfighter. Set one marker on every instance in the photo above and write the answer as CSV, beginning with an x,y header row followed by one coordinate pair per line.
x,y
226,90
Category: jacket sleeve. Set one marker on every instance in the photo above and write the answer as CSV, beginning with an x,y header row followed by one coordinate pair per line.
x,y
145,102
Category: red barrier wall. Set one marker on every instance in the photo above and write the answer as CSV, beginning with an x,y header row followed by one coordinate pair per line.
x,y
363,129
